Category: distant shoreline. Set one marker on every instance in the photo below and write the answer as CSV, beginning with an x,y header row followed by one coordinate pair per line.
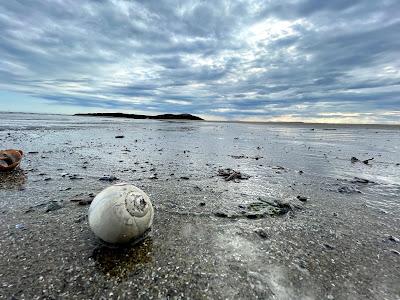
x,y
395,125
144,117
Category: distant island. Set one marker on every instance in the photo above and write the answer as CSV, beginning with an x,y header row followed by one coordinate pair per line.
x,y
141,117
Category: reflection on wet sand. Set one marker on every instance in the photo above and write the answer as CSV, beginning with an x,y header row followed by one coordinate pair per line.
x,y
12,180
120,261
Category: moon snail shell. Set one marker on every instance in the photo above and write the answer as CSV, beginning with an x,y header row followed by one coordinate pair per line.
x,y
121,213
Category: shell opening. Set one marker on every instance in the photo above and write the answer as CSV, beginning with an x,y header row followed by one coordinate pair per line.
x,y
136,204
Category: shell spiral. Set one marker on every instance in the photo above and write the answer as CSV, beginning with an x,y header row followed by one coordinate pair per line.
x,y
120,213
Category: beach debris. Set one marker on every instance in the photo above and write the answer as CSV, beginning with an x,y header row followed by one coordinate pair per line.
x,y
365,161
109,178
230,174
121,213
10,159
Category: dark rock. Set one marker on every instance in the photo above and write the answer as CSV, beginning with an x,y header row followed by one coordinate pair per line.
x,y
202,204
302,198
221,214
184,177
329,247
261,233
119,136
361,180
354,159
393,239
367,161
109,178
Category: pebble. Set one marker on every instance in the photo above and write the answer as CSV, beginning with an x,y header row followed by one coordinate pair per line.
x,y
302,198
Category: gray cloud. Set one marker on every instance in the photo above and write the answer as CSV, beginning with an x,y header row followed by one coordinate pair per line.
x,y
291,60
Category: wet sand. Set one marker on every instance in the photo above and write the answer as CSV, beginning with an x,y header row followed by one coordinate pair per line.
x,y
244,238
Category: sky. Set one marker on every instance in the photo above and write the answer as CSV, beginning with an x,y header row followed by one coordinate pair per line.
x,y
332,61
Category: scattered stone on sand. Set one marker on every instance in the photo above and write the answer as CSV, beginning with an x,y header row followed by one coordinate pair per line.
x,y
354,159
395,251
261,233
365,161
202,204
119,136
184,177
257,157
82,201
20,226
328,246
33,152
230,174
302,198
154,176
393,239
109,178
278,168
361,180
52,206
75,177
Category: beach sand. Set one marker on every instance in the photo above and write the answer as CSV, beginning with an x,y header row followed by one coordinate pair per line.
x,y
211,238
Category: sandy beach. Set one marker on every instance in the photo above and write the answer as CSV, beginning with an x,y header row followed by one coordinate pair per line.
x,y
304,222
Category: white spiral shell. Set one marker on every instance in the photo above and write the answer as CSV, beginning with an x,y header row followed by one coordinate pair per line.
x,y
120,213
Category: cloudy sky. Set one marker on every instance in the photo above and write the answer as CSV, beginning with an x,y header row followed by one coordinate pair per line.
x,y
297,60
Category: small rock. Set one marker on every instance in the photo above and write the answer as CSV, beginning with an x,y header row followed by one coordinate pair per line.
x,y
202,204
329,247
184,177
109,178
395,251
261,233
221,214
119,136
393,239
302,198
20,227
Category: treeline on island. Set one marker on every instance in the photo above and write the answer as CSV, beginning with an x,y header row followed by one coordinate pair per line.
x,y
134,116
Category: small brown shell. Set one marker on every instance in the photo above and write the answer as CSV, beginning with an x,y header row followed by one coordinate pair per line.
x,y
10,159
